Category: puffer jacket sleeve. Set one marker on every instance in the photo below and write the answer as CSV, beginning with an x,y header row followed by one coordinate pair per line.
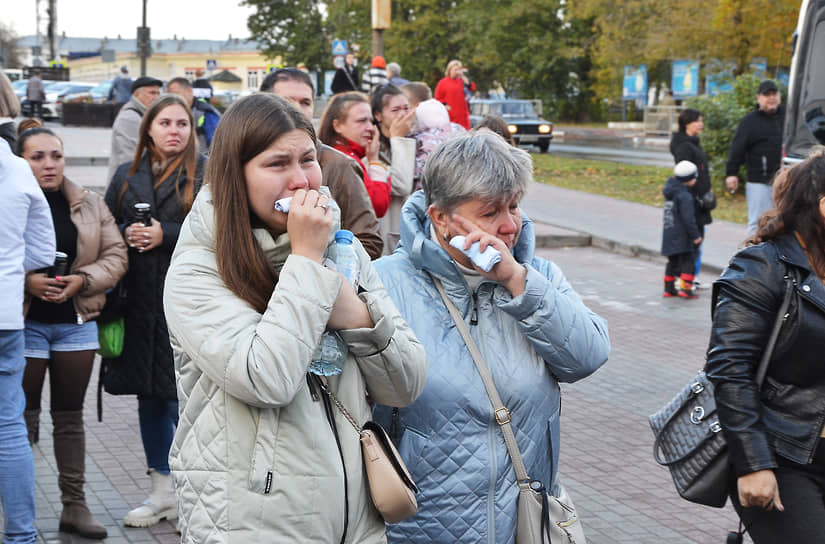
x,y
402,166
260,359
112,261
749,293
392,360
570,338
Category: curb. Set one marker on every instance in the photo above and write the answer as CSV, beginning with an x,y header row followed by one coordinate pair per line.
x,y
555,236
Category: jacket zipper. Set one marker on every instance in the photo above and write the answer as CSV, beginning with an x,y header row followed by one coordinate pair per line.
x,y
492,429
328,409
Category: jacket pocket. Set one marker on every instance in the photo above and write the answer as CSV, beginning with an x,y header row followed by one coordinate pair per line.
x,y
262,462
413,448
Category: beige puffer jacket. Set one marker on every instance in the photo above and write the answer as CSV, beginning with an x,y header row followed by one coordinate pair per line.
x,y
101,258
254,457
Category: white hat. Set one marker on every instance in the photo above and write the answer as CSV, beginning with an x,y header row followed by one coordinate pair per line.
x,y
684,171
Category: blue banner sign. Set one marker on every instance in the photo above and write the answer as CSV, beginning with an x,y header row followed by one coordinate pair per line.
x,y
685,78
635,82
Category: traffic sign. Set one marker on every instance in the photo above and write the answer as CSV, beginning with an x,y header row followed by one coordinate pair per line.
x,y
211,65
339,47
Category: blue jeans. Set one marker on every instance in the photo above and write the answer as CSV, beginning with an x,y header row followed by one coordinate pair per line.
x,y
16,462
158,419
760,199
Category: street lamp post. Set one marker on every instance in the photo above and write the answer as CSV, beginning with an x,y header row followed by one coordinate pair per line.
x,y
143,42
381,11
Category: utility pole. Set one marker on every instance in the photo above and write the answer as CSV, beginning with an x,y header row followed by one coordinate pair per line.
x,y
381,15
144,42
52,30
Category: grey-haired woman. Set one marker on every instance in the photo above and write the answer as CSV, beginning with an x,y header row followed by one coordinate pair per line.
x,y
531,326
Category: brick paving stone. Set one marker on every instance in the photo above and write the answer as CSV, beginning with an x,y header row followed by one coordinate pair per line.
x,y
606,446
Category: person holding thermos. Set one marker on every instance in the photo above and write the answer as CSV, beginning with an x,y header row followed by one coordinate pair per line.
x,y
61,304
150,198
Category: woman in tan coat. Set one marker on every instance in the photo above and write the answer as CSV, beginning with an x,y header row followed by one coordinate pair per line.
x,y
61,334
260,454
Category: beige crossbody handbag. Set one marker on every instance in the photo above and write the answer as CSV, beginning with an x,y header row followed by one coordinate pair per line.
x,y
543,518
391,487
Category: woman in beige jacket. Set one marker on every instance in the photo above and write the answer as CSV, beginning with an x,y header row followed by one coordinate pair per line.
x,y
259,454
395,121
61,334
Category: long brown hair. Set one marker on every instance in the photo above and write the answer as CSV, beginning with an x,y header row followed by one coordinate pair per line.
x,y
188,158
337,110
797,193
248,128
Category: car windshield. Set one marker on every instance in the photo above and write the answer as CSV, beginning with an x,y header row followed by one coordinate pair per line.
x,y
20,84
56,87
513,109
101,89
811,90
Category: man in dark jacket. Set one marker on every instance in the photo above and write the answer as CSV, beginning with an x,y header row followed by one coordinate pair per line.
x,y
758,144
121,90
680,233
346,77
342,174
206,116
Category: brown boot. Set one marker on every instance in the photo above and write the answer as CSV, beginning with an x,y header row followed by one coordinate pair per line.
x,y
33,425
70,453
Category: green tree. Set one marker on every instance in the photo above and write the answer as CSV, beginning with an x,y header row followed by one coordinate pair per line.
x,y
9,57
350,20
292,31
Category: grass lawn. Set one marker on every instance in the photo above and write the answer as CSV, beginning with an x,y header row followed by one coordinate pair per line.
x,y
641,184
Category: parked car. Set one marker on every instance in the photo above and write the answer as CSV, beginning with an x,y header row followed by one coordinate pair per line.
x,y
804,117
55,91
522,120
99,94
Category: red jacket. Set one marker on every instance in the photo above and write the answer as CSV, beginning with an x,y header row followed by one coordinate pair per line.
x,y
378,190
450,92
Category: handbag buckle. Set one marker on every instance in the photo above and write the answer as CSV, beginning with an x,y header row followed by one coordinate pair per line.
x,y
697,415
715,427
697,388
502,416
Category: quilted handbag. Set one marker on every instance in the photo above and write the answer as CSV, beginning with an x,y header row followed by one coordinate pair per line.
x,y
542,518
688,434
391,487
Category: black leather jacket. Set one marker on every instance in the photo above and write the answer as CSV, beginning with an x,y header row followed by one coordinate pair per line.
x,y
786,417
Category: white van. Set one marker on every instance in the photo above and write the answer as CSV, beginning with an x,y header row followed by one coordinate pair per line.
x,y
806,89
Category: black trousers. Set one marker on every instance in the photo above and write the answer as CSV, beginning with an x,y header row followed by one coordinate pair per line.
x,y
37,108
680,263
802,491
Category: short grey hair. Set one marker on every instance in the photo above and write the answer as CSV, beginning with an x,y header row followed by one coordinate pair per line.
x,y
394,68
476,165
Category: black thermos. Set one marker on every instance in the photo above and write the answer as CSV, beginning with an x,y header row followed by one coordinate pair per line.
x,y
143,212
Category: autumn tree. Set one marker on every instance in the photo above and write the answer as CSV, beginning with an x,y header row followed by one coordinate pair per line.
x,y
290,30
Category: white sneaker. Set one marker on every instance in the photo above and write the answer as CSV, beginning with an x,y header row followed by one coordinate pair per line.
x,y
160,504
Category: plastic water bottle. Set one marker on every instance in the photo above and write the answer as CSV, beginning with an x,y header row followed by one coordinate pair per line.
x,y
331,354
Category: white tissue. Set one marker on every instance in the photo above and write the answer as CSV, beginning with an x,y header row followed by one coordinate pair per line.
x,y
485,260
283,204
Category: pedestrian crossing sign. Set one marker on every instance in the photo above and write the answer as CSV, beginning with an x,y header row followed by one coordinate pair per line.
x,y
339,47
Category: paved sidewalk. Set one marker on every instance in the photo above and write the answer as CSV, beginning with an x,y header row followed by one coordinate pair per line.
x,y
625,227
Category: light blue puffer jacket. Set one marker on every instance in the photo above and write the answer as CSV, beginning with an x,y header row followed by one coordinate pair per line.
x,y
448,437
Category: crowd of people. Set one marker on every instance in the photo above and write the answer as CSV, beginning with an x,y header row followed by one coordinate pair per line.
x,y
224,296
